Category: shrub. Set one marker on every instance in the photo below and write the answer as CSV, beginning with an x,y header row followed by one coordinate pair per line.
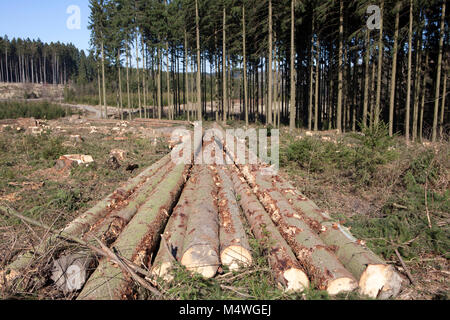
x,y
38,110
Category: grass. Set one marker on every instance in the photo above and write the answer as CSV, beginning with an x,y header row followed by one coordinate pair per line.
x,y
37,110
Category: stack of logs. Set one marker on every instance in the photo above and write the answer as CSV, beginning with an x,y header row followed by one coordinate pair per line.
x,y
177,214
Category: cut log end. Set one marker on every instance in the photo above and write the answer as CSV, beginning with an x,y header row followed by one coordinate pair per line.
x,y
340,285
201,259
163,271
296,280
380,281
236,257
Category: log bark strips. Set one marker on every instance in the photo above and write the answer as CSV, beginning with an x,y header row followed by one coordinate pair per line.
x,y
86,220
376,277
137,241
235,250
108,229
172,240
201,244
317,258
284,265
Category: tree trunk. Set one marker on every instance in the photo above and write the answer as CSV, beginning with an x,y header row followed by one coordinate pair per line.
x,y
444,93
128,82
293,75
408,85
201,244
270,66
316,97
311,79
235,251
424,92
438,75
104,81
340,75
394,71
416,89
244,55
199,81
284,266
138,76
380,67
224,67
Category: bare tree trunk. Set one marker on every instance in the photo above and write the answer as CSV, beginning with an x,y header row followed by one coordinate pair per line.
x,y
394,71
408,94
311,78
380,67
187,106
144,94
128,81
199,80
138,77
340,76
120,87
293,75
416,88
169,96
159,85
438,75
269,69
224,66
244,54
424,91
444,93
103,80
316,98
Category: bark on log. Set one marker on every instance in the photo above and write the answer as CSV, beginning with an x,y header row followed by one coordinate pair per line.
x,y
137,241
235,250
108,229
376,278
285,267
171,246
201,244
82,224
319,261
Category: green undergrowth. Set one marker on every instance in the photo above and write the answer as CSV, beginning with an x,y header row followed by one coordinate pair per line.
x,y
37,110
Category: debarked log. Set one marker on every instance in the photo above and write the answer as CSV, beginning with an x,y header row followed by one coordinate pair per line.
x,y
284,265
137,241
318,259
201,244
235,250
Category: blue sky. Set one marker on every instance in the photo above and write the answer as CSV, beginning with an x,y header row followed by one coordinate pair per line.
x,y
44,19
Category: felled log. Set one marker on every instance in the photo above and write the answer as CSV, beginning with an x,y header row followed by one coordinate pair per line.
x,y
321,263
285,267
137,241
201,244
172,239
234,247
109,228
376,278
70,271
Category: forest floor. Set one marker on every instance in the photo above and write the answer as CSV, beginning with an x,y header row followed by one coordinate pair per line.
x,y
370,183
